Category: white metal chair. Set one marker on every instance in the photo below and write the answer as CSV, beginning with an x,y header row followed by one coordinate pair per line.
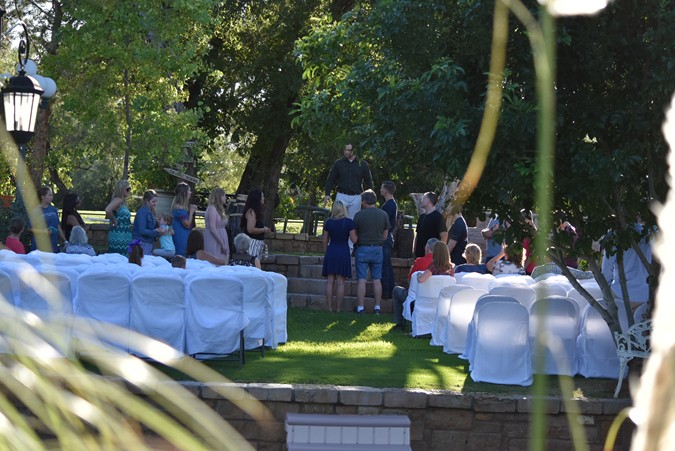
x,y
214,315
557,318
636,342
485,299
439,333
502,354
596,349
158,307
522,293
460,313
426,303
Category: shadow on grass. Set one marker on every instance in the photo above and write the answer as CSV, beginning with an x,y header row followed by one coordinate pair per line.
x,y
366,350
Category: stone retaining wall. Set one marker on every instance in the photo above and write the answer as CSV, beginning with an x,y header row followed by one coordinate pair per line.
x,y
440,420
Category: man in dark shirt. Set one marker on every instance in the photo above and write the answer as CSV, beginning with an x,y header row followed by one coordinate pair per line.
x,y
372,228
457,237
390,207
352,176
430,224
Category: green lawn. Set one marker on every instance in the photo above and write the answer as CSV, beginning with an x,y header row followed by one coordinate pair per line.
x,y
346,349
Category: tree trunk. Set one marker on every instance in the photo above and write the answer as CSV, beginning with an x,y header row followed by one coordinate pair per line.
x,y
40,145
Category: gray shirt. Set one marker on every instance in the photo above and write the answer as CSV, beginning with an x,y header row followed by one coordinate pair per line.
x,y
370,225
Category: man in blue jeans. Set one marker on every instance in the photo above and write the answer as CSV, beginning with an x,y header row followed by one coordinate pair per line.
x,y
372,229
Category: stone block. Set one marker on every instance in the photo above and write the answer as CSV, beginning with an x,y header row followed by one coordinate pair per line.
x,y
584,407
328,409
448,419
287,259
614,406
450,440
192,387
492,404
362,396
324,394
270,392
284,236
308,260
450,400
517,430
223,390
409,398
301,237
291,271
526,404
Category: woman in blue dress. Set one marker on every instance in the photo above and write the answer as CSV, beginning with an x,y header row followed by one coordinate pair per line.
x,y
183,213
53,225
337,263
117,211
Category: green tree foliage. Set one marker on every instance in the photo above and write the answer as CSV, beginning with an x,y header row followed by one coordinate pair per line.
x,y
121,70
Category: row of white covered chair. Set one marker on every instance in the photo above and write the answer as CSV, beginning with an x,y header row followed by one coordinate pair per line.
x,y
190,310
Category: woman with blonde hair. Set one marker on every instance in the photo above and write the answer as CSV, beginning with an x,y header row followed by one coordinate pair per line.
x,y
440,265
117,211
472,254
182,213
215,236
337,262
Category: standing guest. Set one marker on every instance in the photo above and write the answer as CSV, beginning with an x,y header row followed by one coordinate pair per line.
x,y
183,212
195,249
135,251
472,255
241,257
564,226
493,245
252,222
51,217
371,230
390,207
70,217
400,294
13,241
440,264
215,235
512,264
337,262
526,217
145,225
166,247
458,236
79,243
352,176
118,213
430,224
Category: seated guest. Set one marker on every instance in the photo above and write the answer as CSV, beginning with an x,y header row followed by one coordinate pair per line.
x,y
178,261
241,257
13,241
136,253
472,254
400,294
440,264
512,264
79,243
195,249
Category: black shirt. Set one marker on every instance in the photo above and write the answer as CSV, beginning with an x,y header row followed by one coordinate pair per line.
x,y
349,176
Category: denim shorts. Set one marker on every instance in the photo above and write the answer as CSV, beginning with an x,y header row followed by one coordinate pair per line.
x,y
369,257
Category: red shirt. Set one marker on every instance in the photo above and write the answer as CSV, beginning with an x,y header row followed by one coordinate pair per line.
x,y
13,244
421,264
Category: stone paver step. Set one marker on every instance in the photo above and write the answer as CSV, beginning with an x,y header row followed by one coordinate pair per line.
x,y
318,286
318,302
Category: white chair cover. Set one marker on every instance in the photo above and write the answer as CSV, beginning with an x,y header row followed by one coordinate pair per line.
x,y
469,347
522,293
8,294
475,280
510,279
459,316
153,261
258,307
545,289
103,296
439,334
214,314
426,303
194,264
596,350
502,354
111,258
412,294
279,286
43,293
557,316
158,307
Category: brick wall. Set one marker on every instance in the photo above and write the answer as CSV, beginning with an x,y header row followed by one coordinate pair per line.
x,y
440,420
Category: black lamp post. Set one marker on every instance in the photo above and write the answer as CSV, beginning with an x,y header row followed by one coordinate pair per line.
x,y
21,98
